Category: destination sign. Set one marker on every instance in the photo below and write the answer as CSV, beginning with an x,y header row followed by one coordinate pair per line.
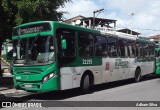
x,y
31,29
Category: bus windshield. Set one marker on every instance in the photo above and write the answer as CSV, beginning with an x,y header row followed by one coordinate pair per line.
x,y
33,51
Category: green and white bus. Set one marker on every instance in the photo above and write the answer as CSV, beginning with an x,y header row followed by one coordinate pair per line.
x,y
157,54
50,56
157,51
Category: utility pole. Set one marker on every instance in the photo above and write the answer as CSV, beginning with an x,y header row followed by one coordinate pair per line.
x,y
132,15
94,12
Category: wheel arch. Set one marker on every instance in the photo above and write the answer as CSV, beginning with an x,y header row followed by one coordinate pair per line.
x,y
91,76
138,67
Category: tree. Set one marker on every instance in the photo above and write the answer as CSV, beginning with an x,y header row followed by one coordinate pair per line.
x,y
14,12
8,10
36,10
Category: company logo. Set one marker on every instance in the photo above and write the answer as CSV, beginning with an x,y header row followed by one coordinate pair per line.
x,y
6,104
10,104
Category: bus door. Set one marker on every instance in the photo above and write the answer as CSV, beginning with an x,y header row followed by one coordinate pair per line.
x,y
146,63
101,53
66,56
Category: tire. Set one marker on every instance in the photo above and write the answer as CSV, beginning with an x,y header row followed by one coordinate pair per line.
x,y
85,85
137,77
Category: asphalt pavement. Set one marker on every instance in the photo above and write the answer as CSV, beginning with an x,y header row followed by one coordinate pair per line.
x,y
122,94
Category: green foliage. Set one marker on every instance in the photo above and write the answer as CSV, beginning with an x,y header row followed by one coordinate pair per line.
x,y
36,10
8,10
14,12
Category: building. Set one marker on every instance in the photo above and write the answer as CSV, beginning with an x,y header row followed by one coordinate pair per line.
x,y
89,21
128,31
74,19
155,37
99,24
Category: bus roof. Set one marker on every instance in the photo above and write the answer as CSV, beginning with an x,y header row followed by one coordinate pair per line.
x,y
144,40
61,24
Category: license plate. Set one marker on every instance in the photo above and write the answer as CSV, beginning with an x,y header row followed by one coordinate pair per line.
x,y
28,86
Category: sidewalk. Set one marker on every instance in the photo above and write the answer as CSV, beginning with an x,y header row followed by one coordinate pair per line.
x,y
6,84
7,89
10,91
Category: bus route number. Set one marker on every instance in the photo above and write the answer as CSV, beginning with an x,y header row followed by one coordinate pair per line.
x,y
87,61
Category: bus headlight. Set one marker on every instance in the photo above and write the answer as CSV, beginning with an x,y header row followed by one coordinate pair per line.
x,y
48,77
51,75
45,79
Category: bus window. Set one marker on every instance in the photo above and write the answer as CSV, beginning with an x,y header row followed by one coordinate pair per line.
x,y
100,46
85,44
131,48
139,49
69,36
157,53
151,50
145,50
112,47
122,44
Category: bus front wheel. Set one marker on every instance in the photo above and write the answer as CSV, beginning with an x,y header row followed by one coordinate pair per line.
x,y
85,85
137,76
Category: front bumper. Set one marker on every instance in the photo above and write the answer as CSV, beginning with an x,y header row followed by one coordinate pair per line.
x,y
50,85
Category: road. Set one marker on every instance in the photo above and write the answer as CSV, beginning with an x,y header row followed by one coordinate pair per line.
x,y
122,91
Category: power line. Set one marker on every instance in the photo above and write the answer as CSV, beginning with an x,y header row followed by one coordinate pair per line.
x,y
147,29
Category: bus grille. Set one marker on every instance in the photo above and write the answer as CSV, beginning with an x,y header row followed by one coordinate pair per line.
x,y
28,70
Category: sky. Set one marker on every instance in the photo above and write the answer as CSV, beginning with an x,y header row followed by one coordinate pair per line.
x,y
145,19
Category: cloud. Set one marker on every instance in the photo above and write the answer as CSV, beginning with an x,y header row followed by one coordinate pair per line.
x,y
146,13
81,7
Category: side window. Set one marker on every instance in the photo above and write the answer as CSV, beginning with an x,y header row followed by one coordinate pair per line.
x,y
69,36
157,53
122,46
112,47
100,45
145,50
85,44
151,50
139,49
131,48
